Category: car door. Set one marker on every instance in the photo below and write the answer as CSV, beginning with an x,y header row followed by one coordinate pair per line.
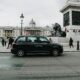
x,y
30,44
43,44
20,43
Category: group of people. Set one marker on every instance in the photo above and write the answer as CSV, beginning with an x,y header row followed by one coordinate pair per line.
x,y
3,42
10,41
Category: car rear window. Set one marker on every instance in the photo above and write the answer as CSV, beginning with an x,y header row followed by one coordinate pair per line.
x,y
21,39
43,39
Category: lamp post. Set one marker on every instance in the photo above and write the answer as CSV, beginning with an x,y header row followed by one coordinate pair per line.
x,y
21,17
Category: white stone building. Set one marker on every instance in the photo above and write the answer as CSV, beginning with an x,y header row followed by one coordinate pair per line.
x,y
32,29
9,31
46,31
71,18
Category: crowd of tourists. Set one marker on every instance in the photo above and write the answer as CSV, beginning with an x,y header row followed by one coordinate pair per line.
x,y
7,42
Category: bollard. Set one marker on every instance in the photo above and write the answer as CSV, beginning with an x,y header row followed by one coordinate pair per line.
x,y
77,45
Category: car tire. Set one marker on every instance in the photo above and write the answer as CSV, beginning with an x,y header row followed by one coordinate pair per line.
x,y
55,52
20,53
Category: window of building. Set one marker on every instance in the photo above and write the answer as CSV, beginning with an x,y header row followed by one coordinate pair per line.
x,y
75,17
66,19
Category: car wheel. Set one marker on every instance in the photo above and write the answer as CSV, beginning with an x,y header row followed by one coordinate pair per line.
x,y
20,53
55,52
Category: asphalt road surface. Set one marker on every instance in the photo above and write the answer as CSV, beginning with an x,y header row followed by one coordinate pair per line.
x,y
40,67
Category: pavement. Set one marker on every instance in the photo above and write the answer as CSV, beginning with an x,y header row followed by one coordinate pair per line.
x,y
3,49
68,49
65,46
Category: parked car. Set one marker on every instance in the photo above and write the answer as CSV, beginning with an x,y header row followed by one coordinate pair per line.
x,y
35,44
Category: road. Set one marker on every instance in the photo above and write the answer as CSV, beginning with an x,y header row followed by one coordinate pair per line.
x,y
40,67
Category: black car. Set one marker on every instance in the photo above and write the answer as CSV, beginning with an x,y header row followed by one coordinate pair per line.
x,y
35,44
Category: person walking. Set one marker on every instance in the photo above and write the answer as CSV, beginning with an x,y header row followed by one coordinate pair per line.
x,y
10,42
50,40
71,42
3,42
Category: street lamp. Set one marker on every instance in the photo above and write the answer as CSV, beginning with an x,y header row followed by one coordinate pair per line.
x,y
21,17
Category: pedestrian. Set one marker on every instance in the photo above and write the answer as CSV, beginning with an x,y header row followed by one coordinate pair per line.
x,y
10,41
50,40
3,42
71,42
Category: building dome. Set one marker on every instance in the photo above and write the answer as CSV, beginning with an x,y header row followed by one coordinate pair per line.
x,y
32,22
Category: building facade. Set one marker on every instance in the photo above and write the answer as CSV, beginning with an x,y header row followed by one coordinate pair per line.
x,y
71,18
32,29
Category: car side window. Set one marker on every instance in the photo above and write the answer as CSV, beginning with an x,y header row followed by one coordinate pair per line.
x,y
21,39
31,39
42,39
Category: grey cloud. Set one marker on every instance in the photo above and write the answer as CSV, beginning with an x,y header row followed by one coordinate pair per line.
x,y
43,11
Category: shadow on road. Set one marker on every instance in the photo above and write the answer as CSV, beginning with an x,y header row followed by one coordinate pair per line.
x,y
38,55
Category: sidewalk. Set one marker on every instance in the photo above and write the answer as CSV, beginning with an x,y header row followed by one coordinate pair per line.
x,y
4,49
66,49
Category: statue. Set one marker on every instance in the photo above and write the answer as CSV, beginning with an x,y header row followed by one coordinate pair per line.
x,y
57,31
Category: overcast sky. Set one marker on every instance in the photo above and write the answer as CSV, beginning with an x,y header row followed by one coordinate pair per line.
x,y
44,12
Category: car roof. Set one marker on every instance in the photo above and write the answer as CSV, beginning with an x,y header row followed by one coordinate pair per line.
x,y
31,36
